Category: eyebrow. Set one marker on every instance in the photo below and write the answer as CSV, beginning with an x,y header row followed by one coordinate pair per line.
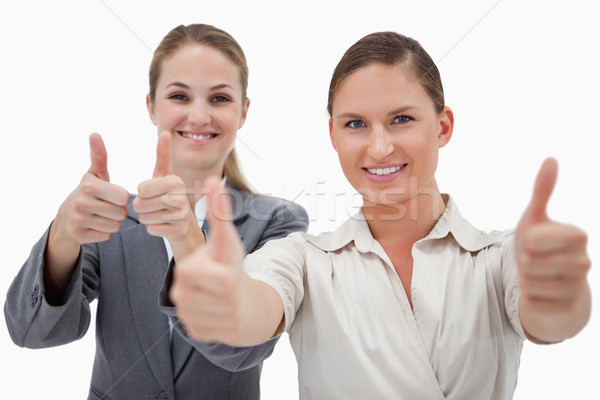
x,y
184,86
390,113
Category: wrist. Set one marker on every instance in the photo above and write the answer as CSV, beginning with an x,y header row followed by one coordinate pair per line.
x,y
187,243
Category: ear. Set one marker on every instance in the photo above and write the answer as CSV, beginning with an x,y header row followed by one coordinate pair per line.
x,y
331,135
445,127
244,113
150,107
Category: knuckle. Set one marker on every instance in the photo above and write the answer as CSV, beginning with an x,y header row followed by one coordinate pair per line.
x,y
195,332
87,188
523,260
102,237
175,294
581,237
77,220
584,264
80,204
115,226
181,273
176,182
122,213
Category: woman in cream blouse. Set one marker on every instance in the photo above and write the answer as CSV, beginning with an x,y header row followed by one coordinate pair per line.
x,y
406,300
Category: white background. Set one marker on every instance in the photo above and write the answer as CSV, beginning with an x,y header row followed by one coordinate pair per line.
x,y
521,77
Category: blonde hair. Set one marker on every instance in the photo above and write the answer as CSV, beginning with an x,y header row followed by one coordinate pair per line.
x,y
220,40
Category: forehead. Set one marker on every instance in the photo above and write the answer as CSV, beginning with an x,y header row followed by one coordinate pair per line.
x,y
379,86
194,63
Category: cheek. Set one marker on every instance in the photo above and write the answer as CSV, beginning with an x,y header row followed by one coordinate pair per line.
x,y
229,119
166,117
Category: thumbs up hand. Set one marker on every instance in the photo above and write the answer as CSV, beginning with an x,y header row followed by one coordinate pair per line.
x,y
163,204
91,213
553,264
208,285
96,207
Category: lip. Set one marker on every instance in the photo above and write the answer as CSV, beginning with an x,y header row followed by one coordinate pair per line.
x,y
197,138
384,178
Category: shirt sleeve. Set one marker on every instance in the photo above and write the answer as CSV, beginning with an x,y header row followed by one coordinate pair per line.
x,y
510,283
281,264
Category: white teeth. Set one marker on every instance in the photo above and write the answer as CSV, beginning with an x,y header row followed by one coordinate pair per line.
x,y
196,137
383,171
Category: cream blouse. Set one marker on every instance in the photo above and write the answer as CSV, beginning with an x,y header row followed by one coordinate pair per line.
x,y
355,335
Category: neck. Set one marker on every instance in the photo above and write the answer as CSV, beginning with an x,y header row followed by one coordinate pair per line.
x,y
193,179
407,222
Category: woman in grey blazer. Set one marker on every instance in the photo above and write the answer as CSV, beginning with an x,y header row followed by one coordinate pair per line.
x,y
107,245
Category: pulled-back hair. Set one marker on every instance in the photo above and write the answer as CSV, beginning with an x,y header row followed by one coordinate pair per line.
x,y
218,39
390,48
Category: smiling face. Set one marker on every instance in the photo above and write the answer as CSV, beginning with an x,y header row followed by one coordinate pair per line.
x,y
387,133
199,101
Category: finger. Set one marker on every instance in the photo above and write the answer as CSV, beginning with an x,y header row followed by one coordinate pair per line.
x,y
544,185
149,205
559,266
92,236
103,225
223,238
551,289
553,237
213,326
98,157
92,229
542,306
199,301
199,273
163,156
106,191
167,217
156,187
107,210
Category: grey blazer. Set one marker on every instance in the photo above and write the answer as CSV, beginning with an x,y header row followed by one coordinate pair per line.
x,y
125,274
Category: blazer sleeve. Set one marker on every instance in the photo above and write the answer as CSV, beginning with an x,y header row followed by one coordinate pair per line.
x,y
287,217
283,218
34,321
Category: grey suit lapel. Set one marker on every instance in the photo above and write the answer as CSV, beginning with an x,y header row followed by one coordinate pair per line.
x,y
142,281
145,266
239,208
182,349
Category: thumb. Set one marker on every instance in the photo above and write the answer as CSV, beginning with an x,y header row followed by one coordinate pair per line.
x,y
98,157
544,185
223,242
163,156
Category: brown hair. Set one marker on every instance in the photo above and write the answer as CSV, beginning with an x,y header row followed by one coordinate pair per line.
x,y
220,40
390,48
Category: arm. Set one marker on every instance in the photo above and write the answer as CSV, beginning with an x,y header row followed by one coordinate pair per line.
x,y
91,213
32,320
227,357
214,298
555,302
271,218
45,306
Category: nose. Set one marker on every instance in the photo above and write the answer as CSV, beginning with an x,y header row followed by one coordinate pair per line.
x,y
199,113
379,143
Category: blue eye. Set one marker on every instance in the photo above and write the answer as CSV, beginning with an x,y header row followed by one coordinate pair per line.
x,y
355,124
402,119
